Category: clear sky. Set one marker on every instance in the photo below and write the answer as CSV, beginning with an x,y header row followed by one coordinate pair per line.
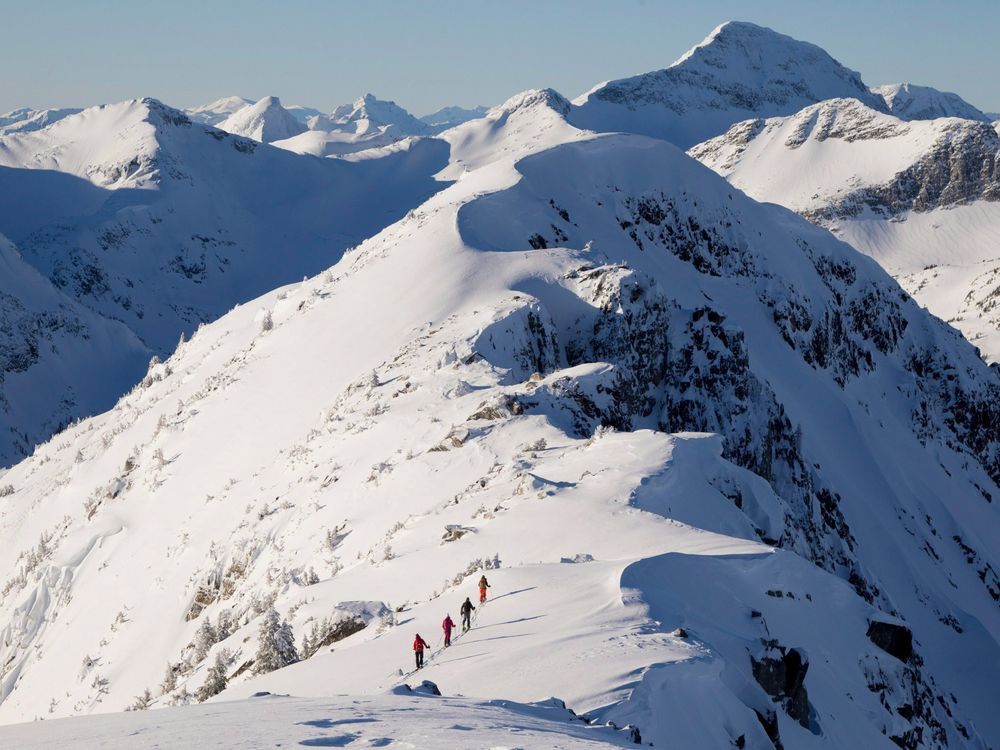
x,y
427,54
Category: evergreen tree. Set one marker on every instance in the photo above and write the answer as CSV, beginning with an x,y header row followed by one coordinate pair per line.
x,y
276,644
286,645
204,639
215,681
267,659
169,680
224,625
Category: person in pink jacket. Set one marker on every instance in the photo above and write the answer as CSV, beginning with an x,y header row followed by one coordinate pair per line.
x,y
447,626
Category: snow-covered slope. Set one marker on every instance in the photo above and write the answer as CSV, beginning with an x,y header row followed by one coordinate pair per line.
x,y
265,120
26,120
525,354
404,720
911,102
740,70
215,112
58,360
920,196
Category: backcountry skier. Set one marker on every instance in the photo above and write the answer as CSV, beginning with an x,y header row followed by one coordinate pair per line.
x,y
419,644
467,609
483,585
447,626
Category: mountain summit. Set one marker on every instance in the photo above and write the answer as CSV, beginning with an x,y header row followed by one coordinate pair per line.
x,y
911,102
739,71
265,120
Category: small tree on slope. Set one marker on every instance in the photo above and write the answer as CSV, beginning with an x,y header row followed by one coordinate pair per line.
x,y
204,639
215,681
276,644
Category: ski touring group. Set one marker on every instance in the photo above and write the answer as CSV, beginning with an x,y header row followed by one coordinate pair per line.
x,y
448,625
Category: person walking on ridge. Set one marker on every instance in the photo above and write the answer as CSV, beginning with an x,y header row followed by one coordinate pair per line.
x,y
483,585
419,644
447,625
467,614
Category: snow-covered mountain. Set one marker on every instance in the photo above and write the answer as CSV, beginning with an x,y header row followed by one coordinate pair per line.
x,y
369,114
921,197
911,102
449,117
265,120
141,215
25,120
527,353
367,123
215,112
739,71
58,360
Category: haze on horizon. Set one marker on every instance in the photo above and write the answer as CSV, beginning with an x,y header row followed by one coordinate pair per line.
x,y
444,52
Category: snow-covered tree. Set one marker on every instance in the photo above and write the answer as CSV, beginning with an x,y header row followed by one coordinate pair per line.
x,y
169,679
215,681
224,625
204,639
286,645
141,701
276,644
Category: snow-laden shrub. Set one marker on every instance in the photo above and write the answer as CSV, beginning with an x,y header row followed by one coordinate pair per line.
x,y
7,490
141,701
267,323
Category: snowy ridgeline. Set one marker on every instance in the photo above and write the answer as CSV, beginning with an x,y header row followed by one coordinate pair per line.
x,y
523,359
731,486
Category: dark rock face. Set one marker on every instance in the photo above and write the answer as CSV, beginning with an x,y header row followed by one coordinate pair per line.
x,y
782,673
963,166
896,640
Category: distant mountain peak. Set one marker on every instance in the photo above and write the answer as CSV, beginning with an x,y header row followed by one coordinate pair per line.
x,y
368,113
737,72
909,101
265,120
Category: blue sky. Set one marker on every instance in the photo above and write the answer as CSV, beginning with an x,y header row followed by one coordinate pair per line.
x,y
428,54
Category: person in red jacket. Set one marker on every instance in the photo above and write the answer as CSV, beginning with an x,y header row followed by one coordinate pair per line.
x,y
447,626
419,644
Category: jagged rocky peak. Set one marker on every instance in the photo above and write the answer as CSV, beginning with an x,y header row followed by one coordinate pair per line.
x,y
265,120
740,70
368,113
911,102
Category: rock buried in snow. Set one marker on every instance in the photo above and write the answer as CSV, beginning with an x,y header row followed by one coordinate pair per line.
x,y
453,532
896,640
579,558
424,688
679,633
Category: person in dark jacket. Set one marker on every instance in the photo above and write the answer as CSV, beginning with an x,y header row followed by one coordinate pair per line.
x,y
467,609
419,644
447,626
